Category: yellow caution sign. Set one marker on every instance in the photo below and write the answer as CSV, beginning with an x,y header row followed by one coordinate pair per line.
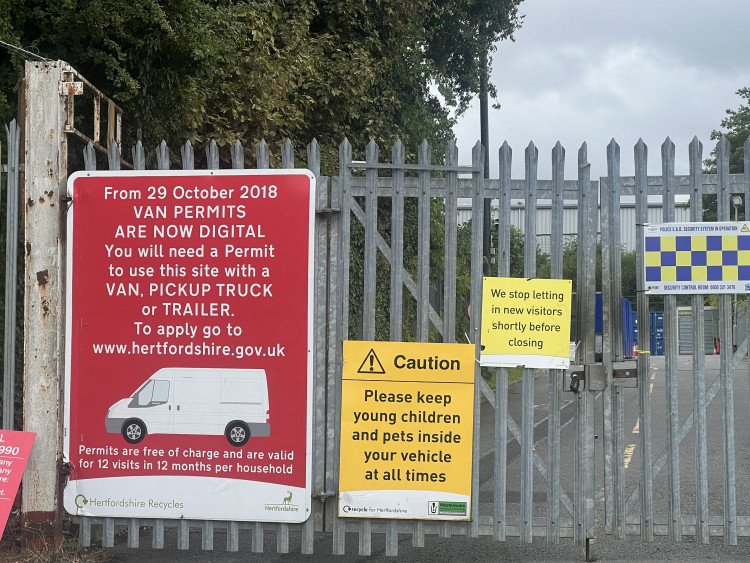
x,y
526,322
407,414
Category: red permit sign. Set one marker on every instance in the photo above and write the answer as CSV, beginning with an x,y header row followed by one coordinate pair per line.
x,y
189,344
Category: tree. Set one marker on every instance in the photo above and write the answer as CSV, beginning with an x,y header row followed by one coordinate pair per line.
x,y
737,126
252,69
463,268
462,34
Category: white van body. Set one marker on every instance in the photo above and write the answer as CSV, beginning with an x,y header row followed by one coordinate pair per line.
x,y
232,402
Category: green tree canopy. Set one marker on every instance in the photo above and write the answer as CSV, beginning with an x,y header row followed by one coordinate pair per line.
x,y
462,34
252,69
737,130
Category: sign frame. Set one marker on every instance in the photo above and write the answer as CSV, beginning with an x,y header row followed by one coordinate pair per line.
x,y
15,449
526,322
279,486
696,258
407,430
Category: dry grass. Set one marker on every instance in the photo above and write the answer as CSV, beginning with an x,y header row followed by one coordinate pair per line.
x,y
12,550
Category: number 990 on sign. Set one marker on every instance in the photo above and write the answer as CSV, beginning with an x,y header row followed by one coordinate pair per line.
x,y
9,450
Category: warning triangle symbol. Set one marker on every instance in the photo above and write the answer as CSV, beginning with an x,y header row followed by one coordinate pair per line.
x,y
371,364
744,228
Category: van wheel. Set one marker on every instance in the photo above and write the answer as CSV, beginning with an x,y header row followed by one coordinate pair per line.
x,y
133,431
237,433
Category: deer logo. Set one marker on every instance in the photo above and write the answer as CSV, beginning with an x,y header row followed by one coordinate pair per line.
x,y
288,498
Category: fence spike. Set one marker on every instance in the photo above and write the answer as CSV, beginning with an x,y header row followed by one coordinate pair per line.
x,y
261,155
162,156
89,156
113,155
139,157
287,154
212,156
188,156
237,152
583,155
313,157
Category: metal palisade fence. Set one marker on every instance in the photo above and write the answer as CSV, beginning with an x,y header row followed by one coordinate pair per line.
x,y
365,218
10,173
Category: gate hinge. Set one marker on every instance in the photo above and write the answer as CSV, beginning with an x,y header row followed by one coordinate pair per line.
x,y
327,211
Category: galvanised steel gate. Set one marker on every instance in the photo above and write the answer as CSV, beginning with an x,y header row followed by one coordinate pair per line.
x,y
391,264
677,446
349,204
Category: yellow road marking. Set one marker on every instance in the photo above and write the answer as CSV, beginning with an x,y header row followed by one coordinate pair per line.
x,y
629,454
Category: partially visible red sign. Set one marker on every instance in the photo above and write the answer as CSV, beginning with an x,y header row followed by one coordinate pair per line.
x,y
15,448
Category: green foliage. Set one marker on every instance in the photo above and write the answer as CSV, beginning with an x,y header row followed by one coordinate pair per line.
x,y
570,263
410,258
463,269
252,69
737,131
628,278
462,33
737,126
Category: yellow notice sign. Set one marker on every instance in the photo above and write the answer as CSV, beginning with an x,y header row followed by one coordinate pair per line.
x,y
407,416
526,322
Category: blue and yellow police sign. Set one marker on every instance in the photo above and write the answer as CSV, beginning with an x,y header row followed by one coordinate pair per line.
x,y
697,258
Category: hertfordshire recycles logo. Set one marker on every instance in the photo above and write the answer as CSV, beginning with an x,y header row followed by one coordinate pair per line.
x,y
285,505
81,501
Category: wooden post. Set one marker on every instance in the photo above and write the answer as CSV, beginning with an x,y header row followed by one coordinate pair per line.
x,y
45,157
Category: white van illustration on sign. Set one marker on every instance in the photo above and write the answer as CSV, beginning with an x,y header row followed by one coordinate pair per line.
x,y
233,402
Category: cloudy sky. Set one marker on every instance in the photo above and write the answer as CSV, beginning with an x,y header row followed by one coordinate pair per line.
x,y
593,70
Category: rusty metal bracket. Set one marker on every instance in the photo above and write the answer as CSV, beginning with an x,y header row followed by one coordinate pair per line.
x,y
327,211
625,374
73,84
70,88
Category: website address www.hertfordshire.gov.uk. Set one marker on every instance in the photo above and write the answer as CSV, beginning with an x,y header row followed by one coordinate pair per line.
x,y
167,348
